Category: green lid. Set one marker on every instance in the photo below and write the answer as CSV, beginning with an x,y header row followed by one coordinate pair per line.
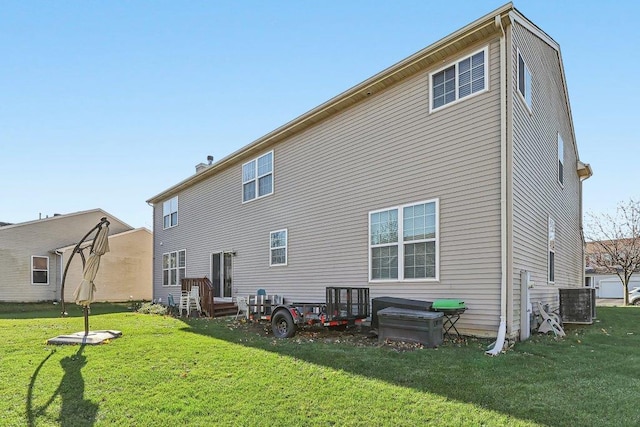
x,y
448,304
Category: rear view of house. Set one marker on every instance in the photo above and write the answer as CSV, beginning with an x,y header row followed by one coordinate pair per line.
x,y
452,174
34,254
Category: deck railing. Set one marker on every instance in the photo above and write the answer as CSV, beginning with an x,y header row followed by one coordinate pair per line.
x,y
206,292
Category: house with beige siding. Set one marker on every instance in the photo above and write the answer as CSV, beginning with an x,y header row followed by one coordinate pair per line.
x,y
451,174
34,254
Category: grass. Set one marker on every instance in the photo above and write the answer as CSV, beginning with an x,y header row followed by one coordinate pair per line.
x,y
166,371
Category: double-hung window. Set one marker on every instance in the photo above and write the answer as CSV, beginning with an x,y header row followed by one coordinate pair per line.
x,y
257,177
170,213
278,247
524,81
174,267
560,160
39,270
403,242
459,80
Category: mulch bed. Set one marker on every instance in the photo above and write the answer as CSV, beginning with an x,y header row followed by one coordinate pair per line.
x,y
358,336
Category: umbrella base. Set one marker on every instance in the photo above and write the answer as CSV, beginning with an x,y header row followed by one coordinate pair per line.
x,y
92,338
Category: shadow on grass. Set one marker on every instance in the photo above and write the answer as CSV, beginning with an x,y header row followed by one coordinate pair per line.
x,y
543,380
50,311
75,410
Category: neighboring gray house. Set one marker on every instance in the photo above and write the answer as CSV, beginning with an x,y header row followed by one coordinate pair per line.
x,y
444,176
33,256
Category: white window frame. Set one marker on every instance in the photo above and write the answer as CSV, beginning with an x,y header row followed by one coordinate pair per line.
x,y
169,208
256,177
285,247
457,80
33,270
400,243
560,165
525,92
551,253
177,267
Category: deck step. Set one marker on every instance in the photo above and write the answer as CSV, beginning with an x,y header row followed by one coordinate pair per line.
x,y
224,309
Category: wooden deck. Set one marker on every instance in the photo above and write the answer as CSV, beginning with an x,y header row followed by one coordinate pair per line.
x,y
210,307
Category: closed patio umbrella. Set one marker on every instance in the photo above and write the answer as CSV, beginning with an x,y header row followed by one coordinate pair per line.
x,y
83,294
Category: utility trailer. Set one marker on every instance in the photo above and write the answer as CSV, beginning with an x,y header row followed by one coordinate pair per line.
x,y
344,306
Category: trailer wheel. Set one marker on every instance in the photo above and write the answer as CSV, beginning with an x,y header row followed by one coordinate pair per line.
x,y
282,324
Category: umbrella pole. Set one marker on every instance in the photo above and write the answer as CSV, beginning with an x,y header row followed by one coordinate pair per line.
x,y
86,320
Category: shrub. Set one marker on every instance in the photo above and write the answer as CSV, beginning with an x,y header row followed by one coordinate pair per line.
x,y
150,308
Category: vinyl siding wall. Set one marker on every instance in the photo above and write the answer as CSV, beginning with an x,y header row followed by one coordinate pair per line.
x,y
383,152
125,271
536,191
40,238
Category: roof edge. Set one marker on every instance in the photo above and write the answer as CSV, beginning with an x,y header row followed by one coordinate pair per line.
x,y
338,103
55,217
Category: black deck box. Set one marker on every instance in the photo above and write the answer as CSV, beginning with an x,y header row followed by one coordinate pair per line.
x,y
402,324
380,303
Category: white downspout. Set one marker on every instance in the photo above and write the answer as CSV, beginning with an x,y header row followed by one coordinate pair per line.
x,y
502,329
59,268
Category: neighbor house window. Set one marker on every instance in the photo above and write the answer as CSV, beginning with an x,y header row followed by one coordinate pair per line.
x,y
174,268
278,247
524,81
403,242
552,250
459,80
257,177
170,213
560,160
39,270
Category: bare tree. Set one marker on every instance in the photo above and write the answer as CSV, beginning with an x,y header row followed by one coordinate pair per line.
x,y
613,243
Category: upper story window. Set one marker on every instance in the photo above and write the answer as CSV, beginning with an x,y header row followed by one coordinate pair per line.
x,y
170,213
560,160
524,81
403,242
257,177
278,247
39,270
174,267
459,80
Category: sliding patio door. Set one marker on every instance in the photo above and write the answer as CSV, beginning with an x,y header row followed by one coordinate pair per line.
x,y
221,273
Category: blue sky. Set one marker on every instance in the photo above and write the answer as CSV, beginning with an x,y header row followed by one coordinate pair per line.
x,y
107,103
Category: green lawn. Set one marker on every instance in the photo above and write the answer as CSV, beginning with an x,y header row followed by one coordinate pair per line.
x,y
166,371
